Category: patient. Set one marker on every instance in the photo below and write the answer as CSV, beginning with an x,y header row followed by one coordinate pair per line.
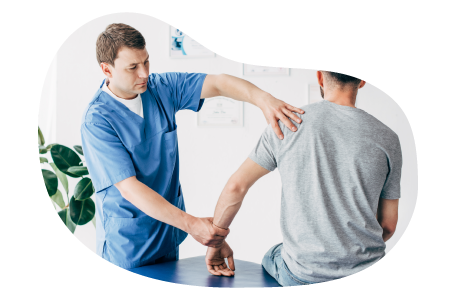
x,y
340,174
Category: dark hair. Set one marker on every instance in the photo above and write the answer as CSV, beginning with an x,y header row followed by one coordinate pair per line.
x,y
342,79
114,37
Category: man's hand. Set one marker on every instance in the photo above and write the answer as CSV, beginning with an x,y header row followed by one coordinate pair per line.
x,y
215,260
275,109
207,234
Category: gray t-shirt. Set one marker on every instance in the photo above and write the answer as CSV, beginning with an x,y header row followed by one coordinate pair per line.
x,y
334,169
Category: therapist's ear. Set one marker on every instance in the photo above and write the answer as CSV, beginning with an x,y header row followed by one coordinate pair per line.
x,y
106,69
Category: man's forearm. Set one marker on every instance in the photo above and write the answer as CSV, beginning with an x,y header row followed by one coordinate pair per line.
x,y
240,89
229,203
154,205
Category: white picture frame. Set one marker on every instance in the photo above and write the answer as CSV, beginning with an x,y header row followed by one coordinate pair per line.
x,y
252,70
313,94
183,46
221,112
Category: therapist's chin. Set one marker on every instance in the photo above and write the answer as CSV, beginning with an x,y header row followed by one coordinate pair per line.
x,y
141,88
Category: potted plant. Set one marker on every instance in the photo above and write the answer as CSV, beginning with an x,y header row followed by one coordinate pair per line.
x,y
80,208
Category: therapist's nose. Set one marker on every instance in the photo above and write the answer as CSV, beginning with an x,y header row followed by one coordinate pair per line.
x,y
143,72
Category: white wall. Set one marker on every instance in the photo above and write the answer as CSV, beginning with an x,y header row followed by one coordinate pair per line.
x,y
209,156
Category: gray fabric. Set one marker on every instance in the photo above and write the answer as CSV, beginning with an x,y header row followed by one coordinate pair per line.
x,y
334,169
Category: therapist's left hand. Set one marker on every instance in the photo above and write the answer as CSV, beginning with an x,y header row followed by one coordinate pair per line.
x,y
275,110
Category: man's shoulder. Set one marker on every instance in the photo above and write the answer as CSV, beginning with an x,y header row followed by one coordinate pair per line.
x,y
96,110
379,128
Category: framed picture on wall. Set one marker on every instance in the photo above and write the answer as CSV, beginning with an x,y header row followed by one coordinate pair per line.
x,y
251,70
314,94
183,46
221,112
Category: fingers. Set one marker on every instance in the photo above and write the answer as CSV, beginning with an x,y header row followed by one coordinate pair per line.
x,y
295,109
291,115
223,269
287,122
211,270
276,128
221,232
231,262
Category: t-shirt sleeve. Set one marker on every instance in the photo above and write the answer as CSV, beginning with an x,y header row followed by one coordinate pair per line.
x,y
267,149
107,159
392,187
186,89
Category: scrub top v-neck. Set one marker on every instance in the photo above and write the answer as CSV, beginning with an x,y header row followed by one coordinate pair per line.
x,y
118,144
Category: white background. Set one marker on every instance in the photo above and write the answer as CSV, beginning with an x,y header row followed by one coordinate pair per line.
x,y
208,156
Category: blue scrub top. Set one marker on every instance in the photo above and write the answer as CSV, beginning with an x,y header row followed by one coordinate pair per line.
x,y
118,144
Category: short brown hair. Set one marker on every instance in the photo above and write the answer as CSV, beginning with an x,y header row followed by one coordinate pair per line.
x,y
116,36
342,80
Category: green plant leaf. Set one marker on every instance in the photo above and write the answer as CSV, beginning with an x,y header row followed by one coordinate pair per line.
x,y
42,149
58,199
80,171
84,189
43,160
62,177
65,217
65,158
69,223
40,137
78,149
51,182
82,212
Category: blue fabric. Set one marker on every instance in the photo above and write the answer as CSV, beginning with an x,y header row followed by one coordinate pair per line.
x,y
277,268
118,144
171,256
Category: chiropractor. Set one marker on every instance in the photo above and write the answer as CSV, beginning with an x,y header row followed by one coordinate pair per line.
x,y
130,144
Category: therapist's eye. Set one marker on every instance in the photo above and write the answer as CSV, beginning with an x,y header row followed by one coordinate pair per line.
x,y
133,68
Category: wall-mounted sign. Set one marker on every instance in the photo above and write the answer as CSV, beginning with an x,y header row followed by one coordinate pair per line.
x,y
253,69
183,45
221,112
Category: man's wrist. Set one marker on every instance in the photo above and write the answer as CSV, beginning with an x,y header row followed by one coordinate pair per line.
x,y
219,226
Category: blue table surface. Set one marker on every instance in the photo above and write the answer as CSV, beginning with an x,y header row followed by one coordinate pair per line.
x,y
193,271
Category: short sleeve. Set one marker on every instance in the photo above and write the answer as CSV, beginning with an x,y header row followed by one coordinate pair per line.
x,y
186,89
266,150
108,161
392,187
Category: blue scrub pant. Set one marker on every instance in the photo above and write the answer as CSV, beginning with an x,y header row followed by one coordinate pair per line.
x,y
171,256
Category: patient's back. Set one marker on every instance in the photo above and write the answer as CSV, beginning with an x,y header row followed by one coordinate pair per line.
x,y
334,169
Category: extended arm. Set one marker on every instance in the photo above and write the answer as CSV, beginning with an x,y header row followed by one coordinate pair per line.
x,y
227,207
242,90
387,216
235,190
154,205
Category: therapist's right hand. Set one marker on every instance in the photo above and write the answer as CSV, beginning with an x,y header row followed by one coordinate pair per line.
x,y
205,233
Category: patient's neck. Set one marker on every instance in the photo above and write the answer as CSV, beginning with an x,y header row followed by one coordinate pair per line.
x,y
346,97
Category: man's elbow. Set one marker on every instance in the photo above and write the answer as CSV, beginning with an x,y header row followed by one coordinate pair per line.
x,y
237,187
389,229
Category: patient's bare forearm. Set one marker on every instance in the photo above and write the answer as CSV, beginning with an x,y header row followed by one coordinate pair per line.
x,y
229,203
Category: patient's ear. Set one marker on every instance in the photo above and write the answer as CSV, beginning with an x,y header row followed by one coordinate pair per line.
x,y
320,78
361,84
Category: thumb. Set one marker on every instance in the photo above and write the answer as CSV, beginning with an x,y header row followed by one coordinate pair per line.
x,y
231,262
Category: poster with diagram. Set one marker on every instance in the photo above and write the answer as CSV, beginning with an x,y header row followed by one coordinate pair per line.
x,y
221,112
183,46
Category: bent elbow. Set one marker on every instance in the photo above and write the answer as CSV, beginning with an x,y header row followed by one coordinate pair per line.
x,y
389,229
236,187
